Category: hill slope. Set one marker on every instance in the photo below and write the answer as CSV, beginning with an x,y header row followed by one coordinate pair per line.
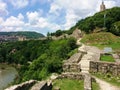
x,y
27,34
102,39
109,19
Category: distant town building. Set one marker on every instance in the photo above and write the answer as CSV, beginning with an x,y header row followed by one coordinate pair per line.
x,y
21,38
7,38
102,6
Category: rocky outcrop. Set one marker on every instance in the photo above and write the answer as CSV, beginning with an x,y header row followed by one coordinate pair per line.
x,y
77,33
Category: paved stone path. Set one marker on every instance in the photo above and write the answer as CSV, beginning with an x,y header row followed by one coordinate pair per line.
x,y
105,85
91,54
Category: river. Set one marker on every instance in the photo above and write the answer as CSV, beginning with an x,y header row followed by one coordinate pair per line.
x,y
7,75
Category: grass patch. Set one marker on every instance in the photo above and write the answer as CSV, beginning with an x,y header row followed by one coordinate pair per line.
x,y
107,58
68,84
114,46
109,78
102,39
72,52
95,86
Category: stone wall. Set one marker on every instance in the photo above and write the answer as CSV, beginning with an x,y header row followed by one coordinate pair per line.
x,y
72,75
23,86
105,67
87,82
41,85
72,64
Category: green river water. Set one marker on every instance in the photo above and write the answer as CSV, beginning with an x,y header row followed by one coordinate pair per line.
x,y
7,75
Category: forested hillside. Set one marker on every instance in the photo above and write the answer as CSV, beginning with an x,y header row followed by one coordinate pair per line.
x,y
27,34
109,19
38,58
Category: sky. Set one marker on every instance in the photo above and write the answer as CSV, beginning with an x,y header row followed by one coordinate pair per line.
x,y
45,16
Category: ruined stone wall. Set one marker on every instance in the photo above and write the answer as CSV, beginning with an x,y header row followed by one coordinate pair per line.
x,y
72,64
41,85
23,86
105,67
70,75
71,67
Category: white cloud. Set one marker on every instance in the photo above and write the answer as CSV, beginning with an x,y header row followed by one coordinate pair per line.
x,y
71,18
41,2
110,4
20,16
12,22
19,3
3,8
54,9
1,20
32,17
36,20
44,23
75,9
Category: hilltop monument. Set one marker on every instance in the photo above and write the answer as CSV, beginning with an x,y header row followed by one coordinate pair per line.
x,y
102,6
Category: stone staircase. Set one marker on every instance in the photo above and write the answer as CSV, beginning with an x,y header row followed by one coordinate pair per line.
x,y
80,62
77,67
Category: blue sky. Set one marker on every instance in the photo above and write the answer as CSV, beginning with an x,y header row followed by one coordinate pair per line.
x,y
46,15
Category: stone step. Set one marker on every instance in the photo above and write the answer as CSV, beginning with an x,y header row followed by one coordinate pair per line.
x,y
42,85
38,85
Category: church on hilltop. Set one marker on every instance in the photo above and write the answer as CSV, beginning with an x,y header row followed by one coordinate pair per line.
x,y
102,7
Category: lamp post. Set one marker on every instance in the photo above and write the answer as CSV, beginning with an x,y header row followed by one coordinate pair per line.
x,y
104,20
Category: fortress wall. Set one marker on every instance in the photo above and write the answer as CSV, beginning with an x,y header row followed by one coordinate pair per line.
x,y
105,67
23,86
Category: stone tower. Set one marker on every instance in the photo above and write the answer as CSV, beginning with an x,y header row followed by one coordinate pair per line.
x,y
102,6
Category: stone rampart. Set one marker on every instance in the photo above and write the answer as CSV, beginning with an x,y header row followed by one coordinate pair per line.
x,y
41,85
72,64
23,86
87,82
72,75
105,67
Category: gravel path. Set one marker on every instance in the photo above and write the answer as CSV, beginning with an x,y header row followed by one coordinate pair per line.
x,y
105,86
